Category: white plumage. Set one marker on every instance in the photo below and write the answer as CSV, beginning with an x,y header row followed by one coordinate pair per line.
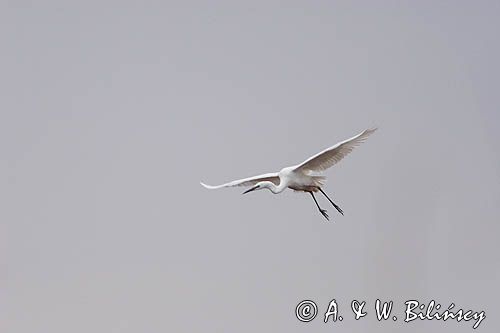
x,y
302,177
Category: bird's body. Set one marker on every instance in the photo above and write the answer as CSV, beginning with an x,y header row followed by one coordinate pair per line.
x,y
299,181
302,177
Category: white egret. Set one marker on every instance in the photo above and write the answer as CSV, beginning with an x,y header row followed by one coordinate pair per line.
x,y
302,177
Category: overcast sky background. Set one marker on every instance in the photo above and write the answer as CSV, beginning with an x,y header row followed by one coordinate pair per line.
x,y
112,112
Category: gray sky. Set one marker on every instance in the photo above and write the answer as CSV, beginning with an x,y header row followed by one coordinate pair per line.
x,y
111,114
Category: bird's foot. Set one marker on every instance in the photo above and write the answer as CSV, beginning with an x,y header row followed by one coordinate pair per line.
x,y
323,212
339,209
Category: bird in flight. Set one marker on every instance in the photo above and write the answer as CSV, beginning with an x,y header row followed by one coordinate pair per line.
x,y
304,176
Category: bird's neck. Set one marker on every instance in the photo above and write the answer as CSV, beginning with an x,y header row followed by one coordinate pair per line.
x,y
277,189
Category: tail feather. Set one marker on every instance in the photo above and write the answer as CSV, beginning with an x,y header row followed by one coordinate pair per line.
x,y
319,180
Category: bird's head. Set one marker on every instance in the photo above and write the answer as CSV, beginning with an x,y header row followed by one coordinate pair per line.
x,y
260,186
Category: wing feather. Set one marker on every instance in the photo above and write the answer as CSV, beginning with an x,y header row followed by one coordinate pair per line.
x,y
334,154
250,181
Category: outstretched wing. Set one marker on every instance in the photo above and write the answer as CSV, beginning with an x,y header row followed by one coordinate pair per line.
x,y
334,154
272,177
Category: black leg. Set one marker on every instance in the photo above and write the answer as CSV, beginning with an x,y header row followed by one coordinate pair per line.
x,y
322,211
334,205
